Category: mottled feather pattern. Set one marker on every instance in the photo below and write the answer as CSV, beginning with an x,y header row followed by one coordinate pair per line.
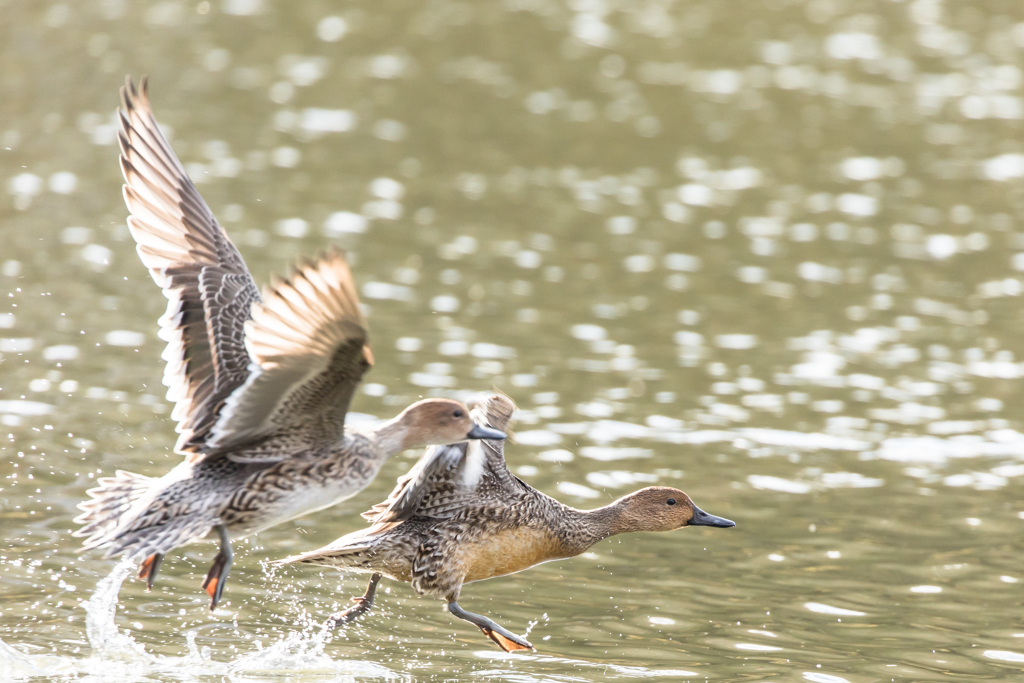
x,y
433,475
251,505
461,516
176,510
436,486
177,504
211,298
192,259
319,332
432,544
261,385
108,502
227,304
163,537
307,341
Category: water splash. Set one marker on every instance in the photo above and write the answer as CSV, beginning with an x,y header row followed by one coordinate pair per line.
x,y
302,653
116,655
15,665
100,619
534,622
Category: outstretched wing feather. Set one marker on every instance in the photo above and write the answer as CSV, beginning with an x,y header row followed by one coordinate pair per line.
x,y
206,282
307,340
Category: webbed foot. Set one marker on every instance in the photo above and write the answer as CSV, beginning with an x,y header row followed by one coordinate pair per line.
x,y
218,574
505,639
363,605
149,568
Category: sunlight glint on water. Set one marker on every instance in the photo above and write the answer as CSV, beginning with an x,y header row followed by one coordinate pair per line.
x,y
770,252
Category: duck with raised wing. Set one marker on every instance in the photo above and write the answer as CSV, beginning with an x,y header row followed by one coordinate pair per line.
x,y
459,516
261,385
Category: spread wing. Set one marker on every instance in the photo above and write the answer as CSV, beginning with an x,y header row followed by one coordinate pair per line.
x,y
447,477
307,341
209,289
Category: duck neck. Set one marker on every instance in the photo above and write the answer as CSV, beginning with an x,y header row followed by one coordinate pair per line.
x,y
588,527
391,437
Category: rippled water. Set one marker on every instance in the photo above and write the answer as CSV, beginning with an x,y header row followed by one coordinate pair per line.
x,y
768,252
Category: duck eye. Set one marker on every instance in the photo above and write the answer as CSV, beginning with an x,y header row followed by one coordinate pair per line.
x,y
671,501
457,413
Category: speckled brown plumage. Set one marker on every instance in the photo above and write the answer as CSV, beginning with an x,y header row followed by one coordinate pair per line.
x,y
207,284
435,529
460,516
261,384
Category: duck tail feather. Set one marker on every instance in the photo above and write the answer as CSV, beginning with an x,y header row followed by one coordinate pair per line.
x,y
160,538
107,505
330,556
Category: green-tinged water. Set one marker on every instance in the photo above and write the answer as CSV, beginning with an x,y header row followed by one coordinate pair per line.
x,y
768,252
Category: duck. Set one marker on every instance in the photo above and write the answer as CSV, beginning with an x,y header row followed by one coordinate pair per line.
x,y
459,516
261,383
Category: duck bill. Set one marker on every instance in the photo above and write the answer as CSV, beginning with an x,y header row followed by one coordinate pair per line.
x,y
478,432
701,518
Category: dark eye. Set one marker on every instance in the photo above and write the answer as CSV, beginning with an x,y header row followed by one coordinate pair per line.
x,y
457,413
671,501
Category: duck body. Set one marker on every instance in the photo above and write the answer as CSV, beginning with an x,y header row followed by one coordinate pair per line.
x,y
508,551
243,492
245,497
460,516
304,483
261,383
438,557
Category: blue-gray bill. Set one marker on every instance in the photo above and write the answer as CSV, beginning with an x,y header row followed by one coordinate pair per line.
x,y
701,518
478,432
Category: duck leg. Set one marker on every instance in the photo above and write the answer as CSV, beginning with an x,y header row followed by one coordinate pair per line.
x,y
362,606
505,639
149,567
218,574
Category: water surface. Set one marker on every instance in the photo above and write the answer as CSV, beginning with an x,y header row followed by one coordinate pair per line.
x,y
768,252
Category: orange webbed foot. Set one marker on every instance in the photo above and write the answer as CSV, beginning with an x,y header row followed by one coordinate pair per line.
x,y
210,588
218,574
505,643
148,569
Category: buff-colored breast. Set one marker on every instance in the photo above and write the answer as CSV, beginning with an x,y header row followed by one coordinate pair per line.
x,y
508,552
